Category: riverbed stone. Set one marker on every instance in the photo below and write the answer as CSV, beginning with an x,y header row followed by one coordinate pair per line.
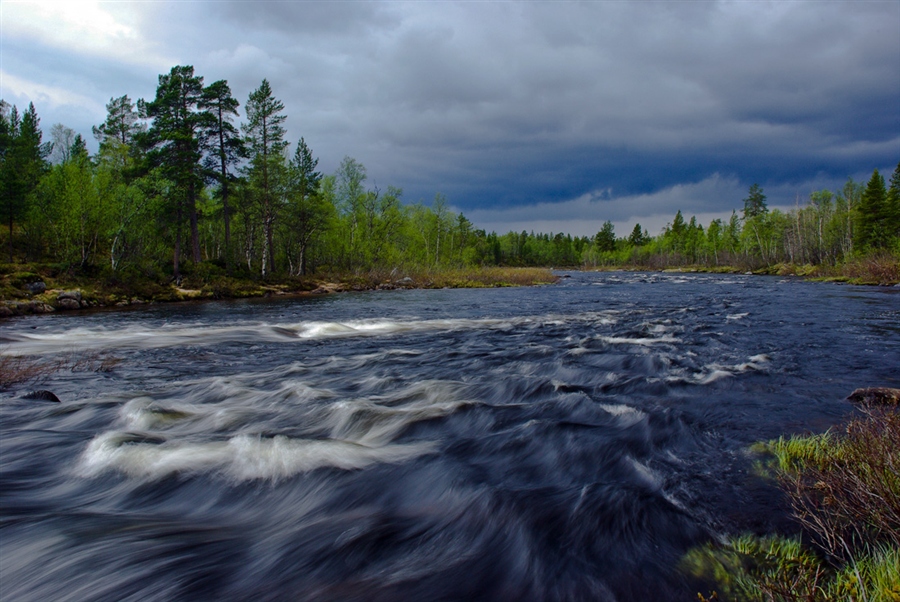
x,y
36,307
41,395
74,295
68,304
876,395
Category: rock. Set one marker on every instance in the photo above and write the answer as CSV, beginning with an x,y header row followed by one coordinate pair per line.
x,y
41,308
36,288
41,395
6,311
876,395
67,303
74,295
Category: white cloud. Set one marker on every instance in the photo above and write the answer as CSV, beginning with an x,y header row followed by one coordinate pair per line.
x,y
83,27
13,88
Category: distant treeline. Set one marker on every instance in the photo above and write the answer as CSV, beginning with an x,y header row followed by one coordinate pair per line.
x,y
177,185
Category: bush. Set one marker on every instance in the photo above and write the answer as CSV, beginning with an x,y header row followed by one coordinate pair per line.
x,y
844,490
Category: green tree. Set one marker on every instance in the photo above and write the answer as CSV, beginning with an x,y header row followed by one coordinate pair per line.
x,y
307,212
755,203
118,136
872,217
893,203
605,239
350,201
265,135
24,161
225,147
638,236
174,144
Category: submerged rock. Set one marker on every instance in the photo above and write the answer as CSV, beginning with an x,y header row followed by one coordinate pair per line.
x,y
876,395
41,395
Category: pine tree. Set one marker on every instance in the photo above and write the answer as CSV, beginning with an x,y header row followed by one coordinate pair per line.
x,y
638,237
24,161
755,203
174,143
122,122
308,213
893,203
265,135
872,217
118,136
605,239
225,146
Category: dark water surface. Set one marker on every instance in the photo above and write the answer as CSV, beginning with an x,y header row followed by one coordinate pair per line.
x,y
567,442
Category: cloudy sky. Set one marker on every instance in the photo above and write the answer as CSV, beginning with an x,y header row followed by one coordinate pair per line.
x,y
552,116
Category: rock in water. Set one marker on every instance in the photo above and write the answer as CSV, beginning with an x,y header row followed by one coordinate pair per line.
x,y
41,396
877,395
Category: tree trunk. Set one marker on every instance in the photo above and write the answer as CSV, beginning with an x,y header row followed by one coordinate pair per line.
x,y
195,231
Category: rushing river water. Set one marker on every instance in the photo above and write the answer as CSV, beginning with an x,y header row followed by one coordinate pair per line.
x,y
567,442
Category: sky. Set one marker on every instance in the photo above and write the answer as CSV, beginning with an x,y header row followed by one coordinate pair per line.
x,y
545,116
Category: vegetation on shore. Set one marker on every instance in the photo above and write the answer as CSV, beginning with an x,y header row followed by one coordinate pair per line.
x,y
844,490
32,288
180,201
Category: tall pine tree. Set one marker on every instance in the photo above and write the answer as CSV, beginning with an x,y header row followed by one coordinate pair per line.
x,y
872,217
225,147
174,143
308,213
265,135
23,160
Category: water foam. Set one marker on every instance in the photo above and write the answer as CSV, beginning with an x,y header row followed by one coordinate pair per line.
x,y
242,458
143,336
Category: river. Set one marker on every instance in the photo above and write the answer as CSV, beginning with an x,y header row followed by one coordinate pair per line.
x,y
565,442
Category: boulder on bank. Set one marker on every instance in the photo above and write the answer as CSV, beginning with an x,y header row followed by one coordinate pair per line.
x,y
68,304
36,288
885,396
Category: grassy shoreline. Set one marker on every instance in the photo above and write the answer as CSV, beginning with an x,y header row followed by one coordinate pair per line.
x,y
39,289
881,270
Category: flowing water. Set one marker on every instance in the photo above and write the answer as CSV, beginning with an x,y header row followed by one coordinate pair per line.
x,y
567,442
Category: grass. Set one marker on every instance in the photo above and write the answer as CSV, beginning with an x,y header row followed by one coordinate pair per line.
x,y
844,490
210,282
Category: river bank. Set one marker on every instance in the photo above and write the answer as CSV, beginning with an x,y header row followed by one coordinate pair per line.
x,y
39,289
872,270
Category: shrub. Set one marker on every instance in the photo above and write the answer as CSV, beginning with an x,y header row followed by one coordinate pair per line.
x,y
844,491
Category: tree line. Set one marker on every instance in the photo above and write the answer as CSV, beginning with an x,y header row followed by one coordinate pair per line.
x,y
828,228
178,185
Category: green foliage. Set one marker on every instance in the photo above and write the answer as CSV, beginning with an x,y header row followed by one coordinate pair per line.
x,y
875,218
773,568
845,492
178,165
755,203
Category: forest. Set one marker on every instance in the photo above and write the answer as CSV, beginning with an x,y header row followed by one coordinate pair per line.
x,y
185,185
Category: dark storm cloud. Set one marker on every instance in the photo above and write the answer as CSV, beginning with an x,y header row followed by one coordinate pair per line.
x,y
596,106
